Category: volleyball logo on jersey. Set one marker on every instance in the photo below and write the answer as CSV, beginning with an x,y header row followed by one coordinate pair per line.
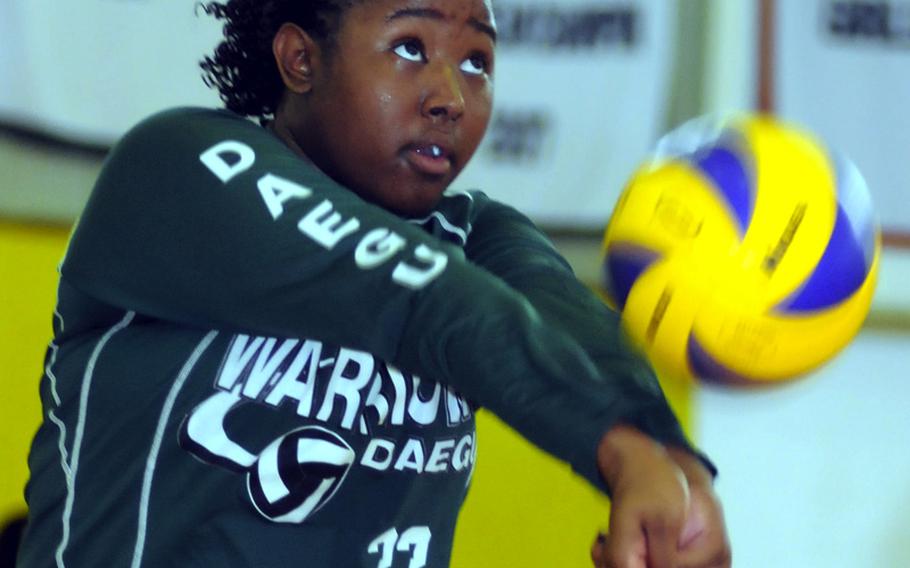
x,y
299,471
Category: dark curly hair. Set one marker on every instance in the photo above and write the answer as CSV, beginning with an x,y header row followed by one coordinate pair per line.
x,y
242,66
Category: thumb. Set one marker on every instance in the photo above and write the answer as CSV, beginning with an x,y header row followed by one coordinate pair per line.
x,y
626,545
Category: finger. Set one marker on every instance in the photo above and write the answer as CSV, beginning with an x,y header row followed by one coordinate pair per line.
x,y
694,527
598,556
625,546
704,542
710,551
662,537
719,561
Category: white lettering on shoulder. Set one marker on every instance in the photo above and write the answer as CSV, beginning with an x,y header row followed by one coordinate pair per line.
x,y
324,225
419,276
376,247
216,159
276,191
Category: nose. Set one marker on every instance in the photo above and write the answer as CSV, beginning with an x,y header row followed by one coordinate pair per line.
x,y
444,99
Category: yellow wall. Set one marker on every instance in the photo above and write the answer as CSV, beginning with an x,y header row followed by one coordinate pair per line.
x,y
524,508
527,509
28,280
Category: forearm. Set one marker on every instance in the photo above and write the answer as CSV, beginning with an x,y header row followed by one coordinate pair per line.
x,y
624,450
509,246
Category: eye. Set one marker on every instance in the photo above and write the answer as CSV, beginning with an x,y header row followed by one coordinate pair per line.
x,y
410,49
477,64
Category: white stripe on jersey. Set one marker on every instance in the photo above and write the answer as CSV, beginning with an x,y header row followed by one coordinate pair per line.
x,y
445,223
59,317
156,443
61,440
52,380
449,192
80,431
57,302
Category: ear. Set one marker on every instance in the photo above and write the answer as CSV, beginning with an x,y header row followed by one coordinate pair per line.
x,y
297,55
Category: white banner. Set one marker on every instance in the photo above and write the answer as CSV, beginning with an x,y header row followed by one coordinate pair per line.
x,y
580,88
88,70
843,71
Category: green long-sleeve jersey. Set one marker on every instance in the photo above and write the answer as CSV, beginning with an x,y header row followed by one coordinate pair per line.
x,y
253,366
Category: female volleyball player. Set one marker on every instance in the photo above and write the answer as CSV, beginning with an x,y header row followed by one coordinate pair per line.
x,y
271,338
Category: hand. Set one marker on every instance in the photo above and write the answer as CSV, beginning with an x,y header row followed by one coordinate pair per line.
x,y
665,513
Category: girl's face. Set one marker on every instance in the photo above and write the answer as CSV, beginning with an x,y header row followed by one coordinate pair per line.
x,y
403,101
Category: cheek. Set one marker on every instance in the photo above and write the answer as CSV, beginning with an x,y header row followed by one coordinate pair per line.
x,y
379,119
385,100
369,121
479,119
362,97
387,97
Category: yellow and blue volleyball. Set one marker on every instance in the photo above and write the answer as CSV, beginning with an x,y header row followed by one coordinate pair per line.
x,y
748,257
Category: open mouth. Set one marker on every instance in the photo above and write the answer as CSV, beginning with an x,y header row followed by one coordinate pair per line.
x,y
429,159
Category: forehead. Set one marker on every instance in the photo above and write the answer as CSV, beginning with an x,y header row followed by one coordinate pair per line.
x,y
474,13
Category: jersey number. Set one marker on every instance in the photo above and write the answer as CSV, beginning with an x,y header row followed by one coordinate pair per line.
x,y
415,540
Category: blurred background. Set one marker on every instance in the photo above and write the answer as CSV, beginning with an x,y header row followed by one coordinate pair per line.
x,y
813,473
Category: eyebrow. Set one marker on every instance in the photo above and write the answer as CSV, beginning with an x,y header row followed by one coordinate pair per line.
x,y
437,15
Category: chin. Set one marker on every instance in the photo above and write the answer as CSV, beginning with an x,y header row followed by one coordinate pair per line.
x,y
416,203
414,210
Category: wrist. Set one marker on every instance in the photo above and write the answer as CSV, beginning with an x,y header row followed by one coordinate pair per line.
x,y
624,450
695,470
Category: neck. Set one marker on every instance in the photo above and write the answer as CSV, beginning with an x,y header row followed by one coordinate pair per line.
x,y
278,126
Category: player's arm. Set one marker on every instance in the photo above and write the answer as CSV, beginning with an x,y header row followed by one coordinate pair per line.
x,y
507,244
209,221
663,499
